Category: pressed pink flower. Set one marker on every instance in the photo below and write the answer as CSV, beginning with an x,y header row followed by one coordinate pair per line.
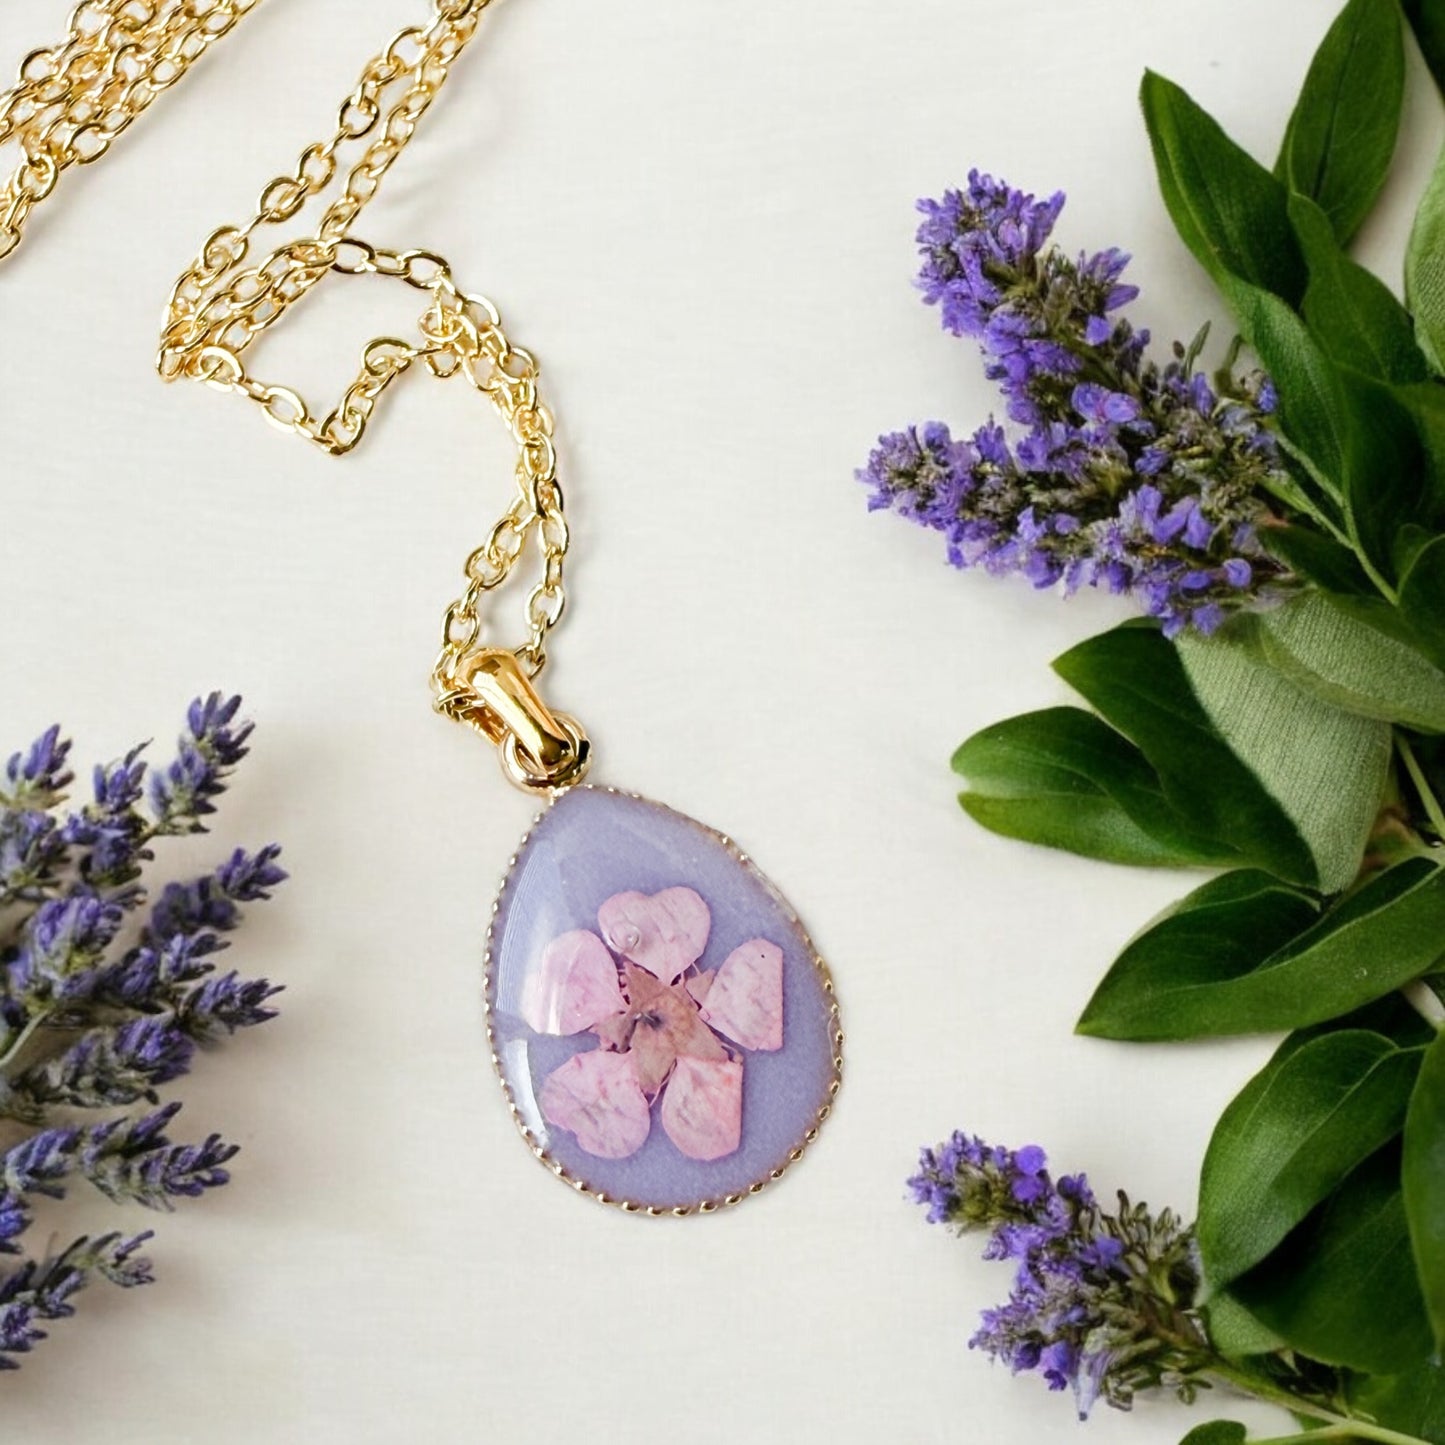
x,y
663,1025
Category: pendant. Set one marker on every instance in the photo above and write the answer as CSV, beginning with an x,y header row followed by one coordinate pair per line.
x,y
665,1033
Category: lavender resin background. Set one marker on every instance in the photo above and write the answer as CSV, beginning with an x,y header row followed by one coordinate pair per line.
x,y
590,845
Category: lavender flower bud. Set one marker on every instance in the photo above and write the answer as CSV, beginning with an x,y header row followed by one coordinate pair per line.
x,y
61,943
14,1221
111,829
32,849
213,744
42,1289
250,877
34,1166
148,975
127,1159
224,1004
106,1066
133,1160
181,936
210,903
919,473
18,1334
37,777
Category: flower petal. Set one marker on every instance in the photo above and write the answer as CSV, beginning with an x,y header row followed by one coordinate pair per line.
x,y
745,1001
665,934
573,987
596,1097
702,1107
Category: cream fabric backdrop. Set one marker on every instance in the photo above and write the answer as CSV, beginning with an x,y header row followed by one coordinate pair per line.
x,y
700,218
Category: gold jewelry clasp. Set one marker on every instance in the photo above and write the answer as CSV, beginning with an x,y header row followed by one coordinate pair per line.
x,y
540,749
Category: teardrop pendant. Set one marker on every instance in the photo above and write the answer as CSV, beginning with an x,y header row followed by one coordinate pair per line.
x,y
664,1030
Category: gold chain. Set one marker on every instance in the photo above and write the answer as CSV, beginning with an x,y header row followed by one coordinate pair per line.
x,y
74,99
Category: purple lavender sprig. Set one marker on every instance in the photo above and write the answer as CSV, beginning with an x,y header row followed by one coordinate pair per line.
x,y
1102,1303
31,844
38,777
113,1064
87,1022
1144,480
128,1159
42,1289
31,848
182,794
111,833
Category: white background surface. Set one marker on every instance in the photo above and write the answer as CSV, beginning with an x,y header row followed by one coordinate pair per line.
x,y
700,218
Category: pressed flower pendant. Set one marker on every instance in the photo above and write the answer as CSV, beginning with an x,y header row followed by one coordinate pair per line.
x,y
665,1033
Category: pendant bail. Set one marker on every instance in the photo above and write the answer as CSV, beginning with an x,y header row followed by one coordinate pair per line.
x,y
541,749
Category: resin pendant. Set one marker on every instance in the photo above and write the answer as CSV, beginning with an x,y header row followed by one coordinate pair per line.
x,y
665,1033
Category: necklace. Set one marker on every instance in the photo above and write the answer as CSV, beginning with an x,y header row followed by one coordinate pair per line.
x,y
665,1033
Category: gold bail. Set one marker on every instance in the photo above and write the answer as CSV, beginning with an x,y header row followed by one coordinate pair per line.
x,y
540,749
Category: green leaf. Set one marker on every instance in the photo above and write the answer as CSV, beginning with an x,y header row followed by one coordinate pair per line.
x,y
1092,827
1358,441
1234,1332
1355,655
1425,402
1165,983
1217,1432
1349,310
1065,779
1384,476
1422,598
1135,678
1413,1403
1427,19
1299,1127
1341,137
1241,955
1320,558
1342,1289
1227,208
1425,269
1423,1177
1314,407
1324,767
